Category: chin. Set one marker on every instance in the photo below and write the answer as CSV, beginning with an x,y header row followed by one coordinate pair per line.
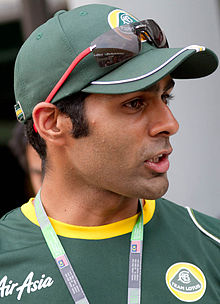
x,y
157,190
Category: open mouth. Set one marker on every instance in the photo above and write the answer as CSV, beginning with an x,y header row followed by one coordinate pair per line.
x,y
159,163
158,158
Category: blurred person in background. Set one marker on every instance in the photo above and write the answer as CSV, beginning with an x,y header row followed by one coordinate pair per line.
x,y
28,159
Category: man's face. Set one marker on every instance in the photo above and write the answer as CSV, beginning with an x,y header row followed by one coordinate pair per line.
x,y
126,151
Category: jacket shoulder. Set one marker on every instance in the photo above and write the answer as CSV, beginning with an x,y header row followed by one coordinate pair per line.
x,y
205,223
208,225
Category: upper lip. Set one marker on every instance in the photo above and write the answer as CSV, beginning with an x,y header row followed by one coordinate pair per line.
x,y
166,152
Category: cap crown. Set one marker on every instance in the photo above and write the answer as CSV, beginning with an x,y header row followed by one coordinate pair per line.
x,y
51,48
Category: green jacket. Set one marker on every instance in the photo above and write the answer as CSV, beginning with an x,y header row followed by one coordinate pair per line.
x,y
181,258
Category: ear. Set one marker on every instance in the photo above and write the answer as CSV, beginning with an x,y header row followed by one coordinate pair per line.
x,y
47,119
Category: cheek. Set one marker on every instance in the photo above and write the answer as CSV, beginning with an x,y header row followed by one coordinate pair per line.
x,y
116,154
106,151
113,146
109,147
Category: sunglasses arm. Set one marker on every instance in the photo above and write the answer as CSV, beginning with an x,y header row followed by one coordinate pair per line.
x,y
82,55
67,73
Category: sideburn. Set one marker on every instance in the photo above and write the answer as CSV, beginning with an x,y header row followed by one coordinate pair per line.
x,y
79,121
73,107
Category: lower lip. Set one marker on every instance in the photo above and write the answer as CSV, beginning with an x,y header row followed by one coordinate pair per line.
x,y
161,167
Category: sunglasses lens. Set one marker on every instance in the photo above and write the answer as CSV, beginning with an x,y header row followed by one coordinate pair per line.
x,y
124,42
156,33
116,45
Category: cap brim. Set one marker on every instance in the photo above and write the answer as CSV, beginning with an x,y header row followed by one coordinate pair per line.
x,y
152,65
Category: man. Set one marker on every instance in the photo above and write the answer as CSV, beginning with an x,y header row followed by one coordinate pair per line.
x,y
94,98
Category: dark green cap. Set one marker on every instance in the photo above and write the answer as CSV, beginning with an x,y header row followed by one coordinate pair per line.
x,y
51,48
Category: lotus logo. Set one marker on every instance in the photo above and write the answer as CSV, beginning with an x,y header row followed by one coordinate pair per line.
x,y
184,277
126,19
186,282
119,17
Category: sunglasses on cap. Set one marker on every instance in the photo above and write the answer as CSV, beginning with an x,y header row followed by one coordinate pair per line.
x,y
124,42
116,46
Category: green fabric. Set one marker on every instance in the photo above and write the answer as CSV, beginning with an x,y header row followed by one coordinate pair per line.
x,y
102,265
208,223
189,63
51,48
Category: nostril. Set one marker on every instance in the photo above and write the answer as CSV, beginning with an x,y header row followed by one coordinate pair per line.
x,y
165,133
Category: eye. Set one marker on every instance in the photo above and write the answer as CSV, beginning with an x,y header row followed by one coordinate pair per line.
x,y
135,104
167,98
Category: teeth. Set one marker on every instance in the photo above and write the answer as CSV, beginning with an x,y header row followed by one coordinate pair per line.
x,y
156,159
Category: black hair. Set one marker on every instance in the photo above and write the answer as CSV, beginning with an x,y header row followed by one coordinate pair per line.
x,y
73,107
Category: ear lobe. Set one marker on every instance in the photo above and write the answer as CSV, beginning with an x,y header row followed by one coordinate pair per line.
x,y
45,116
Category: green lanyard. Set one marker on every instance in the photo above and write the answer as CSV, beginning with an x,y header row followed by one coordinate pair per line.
x,y
66,270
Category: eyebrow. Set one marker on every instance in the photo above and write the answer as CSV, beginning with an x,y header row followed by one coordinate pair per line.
x,y
156,87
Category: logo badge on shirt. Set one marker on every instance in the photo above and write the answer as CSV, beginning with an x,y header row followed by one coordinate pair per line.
x,y
8,287
186,282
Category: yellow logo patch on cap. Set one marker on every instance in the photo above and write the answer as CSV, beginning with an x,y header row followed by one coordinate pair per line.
x,y
119,17
186,282
19,112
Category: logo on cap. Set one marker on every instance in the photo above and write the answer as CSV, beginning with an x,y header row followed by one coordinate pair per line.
x,y
19,112
186,281
119,17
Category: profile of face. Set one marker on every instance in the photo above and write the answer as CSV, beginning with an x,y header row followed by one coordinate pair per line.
x,y
34,168
127,149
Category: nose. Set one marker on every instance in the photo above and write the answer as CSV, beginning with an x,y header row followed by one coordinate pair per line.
x,y
163,122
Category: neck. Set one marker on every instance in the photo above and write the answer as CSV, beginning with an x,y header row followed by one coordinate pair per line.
x,y
86,207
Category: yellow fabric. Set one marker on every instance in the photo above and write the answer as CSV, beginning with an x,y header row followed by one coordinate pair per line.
x,y
92,233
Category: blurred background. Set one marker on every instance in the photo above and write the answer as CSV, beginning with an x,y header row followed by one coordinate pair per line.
x,y
194,173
